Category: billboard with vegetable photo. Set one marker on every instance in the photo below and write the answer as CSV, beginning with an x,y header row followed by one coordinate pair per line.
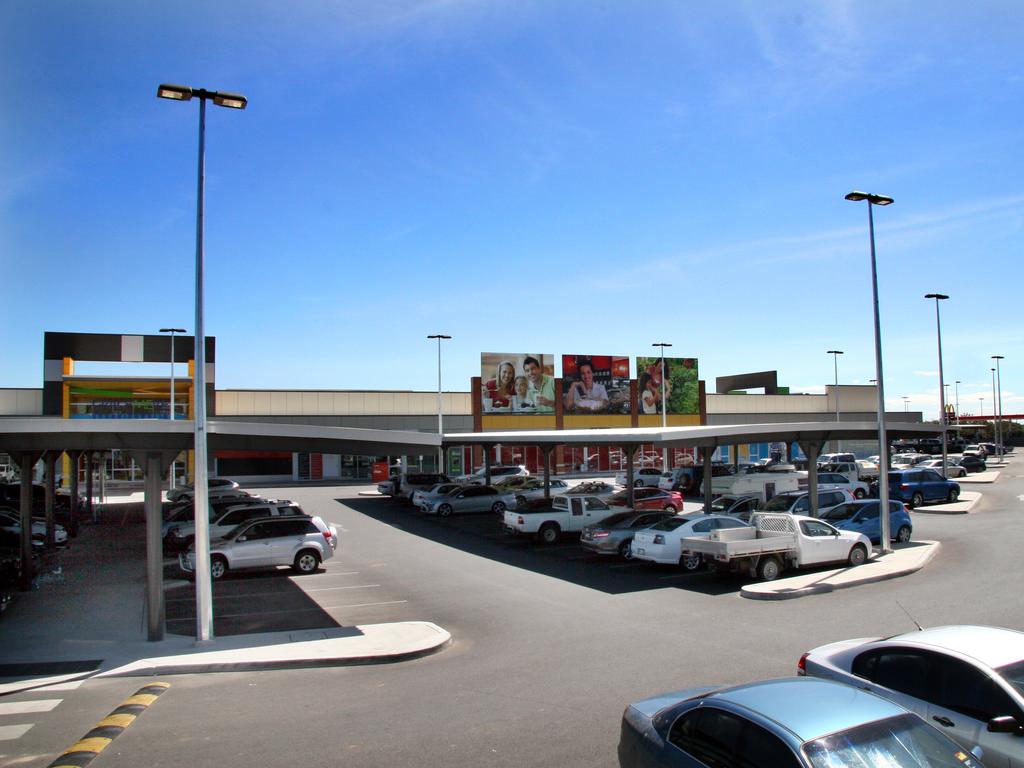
x,y
681,390
517,382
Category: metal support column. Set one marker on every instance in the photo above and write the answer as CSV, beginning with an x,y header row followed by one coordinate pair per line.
x,y
88,486
51,464
27,460
546,450
628,451
487,466
812,451
76,461
705,453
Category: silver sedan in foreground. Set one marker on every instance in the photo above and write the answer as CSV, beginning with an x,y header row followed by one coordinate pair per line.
x,y
470,498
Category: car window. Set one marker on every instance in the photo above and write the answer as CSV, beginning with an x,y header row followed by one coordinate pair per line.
x,y
842,512
760,749
708,734
259,531
814,528
703,526
970,691
730,523
596,504
904,670
802,505
869,512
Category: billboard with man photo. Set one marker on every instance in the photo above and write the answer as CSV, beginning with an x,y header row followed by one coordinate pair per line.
x,y
517,382
682,392
595,384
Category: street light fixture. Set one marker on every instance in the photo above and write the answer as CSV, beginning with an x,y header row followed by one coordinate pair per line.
x,y
883,446
664,405
835,366
998,406
172,331
204,587
440,428
942,391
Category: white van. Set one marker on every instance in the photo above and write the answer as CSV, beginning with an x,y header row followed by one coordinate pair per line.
x,y
763,485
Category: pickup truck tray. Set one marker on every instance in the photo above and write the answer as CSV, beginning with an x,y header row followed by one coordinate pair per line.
x,y
745,547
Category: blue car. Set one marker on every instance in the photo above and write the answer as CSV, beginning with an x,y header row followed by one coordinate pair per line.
x,y
863,517
918,485
782,724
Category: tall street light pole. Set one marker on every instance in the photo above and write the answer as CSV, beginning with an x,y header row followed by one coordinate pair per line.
x,y
999,406
906,404
440,427
942,391
995,418
172,331
204,587
835,366
956,390
664,405
883,446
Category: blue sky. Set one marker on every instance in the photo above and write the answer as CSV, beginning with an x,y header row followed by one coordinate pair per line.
x,y
566,178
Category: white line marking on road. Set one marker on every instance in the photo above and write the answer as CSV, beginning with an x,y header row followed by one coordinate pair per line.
x,y
11,732
674,576
21,707
356,586
71,686
364,605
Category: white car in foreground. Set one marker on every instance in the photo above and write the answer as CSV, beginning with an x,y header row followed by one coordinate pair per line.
x,y
967,681
661,542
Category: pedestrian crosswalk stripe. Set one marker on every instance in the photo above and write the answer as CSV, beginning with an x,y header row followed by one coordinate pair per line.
x,y
71,686
10,732
21,707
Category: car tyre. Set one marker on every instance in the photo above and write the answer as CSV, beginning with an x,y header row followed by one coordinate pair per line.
x,y
626,549
954,494
520,499
859,493
858,555
691,562
671,508
916,500
444,510
769,569
903,534
498,508
549,533
218,567
638,483
307,561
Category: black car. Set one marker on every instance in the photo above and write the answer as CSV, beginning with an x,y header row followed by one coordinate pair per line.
x,y
972,463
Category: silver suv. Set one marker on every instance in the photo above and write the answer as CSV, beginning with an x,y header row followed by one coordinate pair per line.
x,y
301,542
180,535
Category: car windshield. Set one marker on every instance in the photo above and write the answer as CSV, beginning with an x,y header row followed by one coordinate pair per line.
x,y
780,503
1014,675
842,512
612,520
904,741
670,524
722,504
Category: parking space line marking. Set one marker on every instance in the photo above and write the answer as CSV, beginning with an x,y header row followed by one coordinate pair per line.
x,y
11,732
22,707
355,586
364,605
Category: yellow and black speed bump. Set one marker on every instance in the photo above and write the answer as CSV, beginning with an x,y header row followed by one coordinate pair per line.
x,y
83,751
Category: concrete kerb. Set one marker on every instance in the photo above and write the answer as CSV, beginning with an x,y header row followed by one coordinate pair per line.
x,y
962,507
901,562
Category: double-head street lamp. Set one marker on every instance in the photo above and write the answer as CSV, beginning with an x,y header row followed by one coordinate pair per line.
x,y
883,447
664,405
835,366
172,331
440,428
204,587
998,405
942,391
906,404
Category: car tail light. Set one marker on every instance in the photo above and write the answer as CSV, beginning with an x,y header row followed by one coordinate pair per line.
x,y
906,508
327,535
659,539
801,666
905,486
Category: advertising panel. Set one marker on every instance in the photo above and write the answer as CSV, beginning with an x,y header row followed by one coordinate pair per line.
x,y
595,384
682,391
516,382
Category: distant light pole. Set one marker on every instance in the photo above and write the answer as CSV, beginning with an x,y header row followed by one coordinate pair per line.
x,y
172,331
998,406
942,391
204,587
440,428
883,446
664,405
906,404
995,421
956,389
835,366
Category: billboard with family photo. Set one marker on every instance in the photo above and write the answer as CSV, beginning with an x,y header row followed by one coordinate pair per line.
x,y
682,391
515,382
595,384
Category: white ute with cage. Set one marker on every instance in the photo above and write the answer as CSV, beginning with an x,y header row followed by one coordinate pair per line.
x,y
775,542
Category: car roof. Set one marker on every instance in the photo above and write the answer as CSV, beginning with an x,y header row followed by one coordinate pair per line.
x,y
992,646
808,707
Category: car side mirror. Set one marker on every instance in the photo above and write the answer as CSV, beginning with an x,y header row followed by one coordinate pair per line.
x,y
243,538
1005,724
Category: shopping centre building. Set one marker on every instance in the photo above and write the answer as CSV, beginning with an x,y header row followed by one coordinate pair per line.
x,y
514,392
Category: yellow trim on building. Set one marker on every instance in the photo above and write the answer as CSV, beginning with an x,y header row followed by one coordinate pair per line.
x,y
673,420
509,423
596,422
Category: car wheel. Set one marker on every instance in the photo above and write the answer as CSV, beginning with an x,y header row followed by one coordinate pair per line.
x,y
671,508
691,562
218,567
859,493
498,508
954,494
858,555
916,500
549,533
444,510
520,499
769,569
625,551
307,561
903,534
638,483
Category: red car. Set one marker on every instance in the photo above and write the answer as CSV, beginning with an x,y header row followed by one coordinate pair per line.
x,y
649,498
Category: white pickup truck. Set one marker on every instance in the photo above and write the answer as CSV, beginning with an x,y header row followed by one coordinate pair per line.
x,y
566,514
776,542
